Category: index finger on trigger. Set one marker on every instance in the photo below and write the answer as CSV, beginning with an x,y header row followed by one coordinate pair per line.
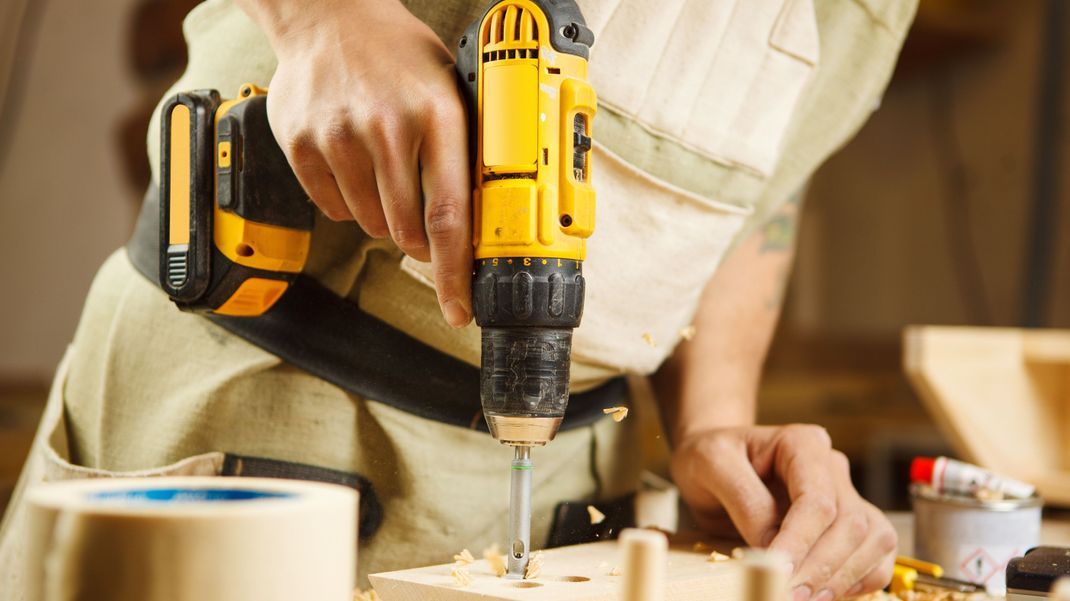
x,y
448,210
804,464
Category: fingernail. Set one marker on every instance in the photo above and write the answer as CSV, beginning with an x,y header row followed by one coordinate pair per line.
x,y
825,595
854,590
456,315
801,593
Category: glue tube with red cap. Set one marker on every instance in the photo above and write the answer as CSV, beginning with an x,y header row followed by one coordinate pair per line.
x,y
951,476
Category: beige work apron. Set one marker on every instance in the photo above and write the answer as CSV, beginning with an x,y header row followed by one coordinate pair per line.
x,y
441,488
711,113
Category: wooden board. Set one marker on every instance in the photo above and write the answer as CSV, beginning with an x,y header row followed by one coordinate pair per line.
x,y
577,573
1002,396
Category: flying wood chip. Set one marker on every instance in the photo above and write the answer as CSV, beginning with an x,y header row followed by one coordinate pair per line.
x,y
597,517
618,413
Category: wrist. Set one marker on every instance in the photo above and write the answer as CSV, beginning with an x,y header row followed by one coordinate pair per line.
x,y
292,24
711,417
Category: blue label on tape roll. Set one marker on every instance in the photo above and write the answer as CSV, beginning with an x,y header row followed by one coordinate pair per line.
x,y
186,495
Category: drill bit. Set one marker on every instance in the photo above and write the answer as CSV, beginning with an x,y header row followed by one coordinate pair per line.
x,y
520,512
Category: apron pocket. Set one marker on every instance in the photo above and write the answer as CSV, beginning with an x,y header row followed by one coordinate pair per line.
x,y
719,78
654,249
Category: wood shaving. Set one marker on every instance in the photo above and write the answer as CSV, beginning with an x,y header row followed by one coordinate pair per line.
x,y
926,595
687,333
597,517
464,558
461,576
618,413
648,338
534,566
738,553
614,571
496,560
716,557
368,595
700,547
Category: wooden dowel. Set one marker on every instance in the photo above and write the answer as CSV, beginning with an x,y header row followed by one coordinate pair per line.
x,y
643,565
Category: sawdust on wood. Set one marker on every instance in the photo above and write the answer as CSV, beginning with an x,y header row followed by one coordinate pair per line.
x,y
716,557
926,595
648,338
496,560
534,566
738,553
461,576
464,558
618,413
597,517
687,333
613,571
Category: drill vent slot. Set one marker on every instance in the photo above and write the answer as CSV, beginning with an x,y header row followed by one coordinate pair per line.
x,y
512,33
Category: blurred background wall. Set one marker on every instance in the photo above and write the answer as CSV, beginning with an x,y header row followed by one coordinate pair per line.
x,y
924,218
78,81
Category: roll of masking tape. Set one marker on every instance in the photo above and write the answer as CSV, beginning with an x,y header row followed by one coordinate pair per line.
x,y
186,539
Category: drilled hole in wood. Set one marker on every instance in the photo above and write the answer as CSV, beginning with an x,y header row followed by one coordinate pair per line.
x,y
569,578
527,585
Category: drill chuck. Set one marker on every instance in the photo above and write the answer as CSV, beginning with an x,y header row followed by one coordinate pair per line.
x,y
527,308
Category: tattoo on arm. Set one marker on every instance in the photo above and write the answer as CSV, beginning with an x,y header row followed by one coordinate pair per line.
x,y
778,236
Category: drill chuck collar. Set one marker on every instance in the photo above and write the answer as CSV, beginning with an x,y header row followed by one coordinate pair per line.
x,y
527,309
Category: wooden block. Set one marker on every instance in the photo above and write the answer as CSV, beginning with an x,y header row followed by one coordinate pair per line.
x,y
1002,396
577,573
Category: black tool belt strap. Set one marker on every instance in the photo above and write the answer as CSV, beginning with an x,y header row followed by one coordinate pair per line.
x,y
328,336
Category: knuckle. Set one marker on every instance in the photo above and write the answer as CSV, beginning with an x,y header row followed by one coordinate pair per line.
x,y
886,539
338,131
444,218
841,461
822,574
445,111
300,148
823,508
409,238
857,526
380,125
816,434
878,578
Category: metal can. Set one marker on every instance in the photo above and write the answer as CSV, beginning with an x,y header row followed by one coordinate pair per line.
x,y
973,539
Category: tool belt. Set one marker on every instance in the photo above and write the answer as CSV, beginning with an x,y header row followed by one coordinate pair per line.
x,y
330,337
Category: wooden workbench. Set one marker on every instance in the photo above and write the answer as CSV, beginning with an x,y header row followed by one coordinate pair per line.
x,y
585,572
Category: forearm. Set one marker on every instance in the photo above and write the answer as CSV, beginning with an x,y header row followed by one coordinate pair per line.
x,y
712,380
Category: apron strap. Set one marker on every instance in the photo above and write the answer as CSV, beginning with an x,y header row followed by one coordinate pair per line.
x,y
330,337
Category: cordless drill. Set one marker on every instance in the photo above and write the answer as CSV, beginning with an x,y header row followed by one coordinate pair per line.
x,y
236,227
524,70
